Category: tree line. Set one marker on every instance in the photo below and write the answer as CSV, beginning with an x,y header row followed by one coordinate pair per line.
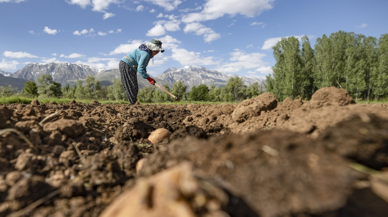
x,y
345,60
45,87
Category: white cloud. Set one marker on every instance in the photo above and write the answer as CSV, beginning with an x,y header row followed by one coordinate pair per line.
x,y
101,5
169,42
8,65
262,24
172,25
126,48
158,60
72,56
109,32
213,9
161,26
269,43
209,51
185,57
108,15
362,25
97,5
249,45
265,70
50,31
54,54
199,29
156,31
190,9
100,63
140,8
168,5
31,32
83,32
11,54
82,3
159,15
152,10
240,60
12,1
50,60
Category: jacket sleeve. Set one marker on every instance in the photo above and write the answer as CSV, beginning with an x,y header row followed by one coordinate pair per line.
x,y
143,63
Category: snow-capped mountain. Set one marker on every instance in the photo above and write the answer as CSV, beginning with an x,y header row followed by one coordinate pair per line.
x,y
5,81
60,72
196,75
6,74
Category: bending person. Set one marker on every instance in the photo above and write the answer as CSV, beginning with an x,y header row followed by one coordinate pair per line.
x,y
137,61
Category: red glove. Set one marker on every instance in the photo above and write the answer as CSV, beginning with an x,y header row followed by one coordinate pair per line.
x,y
151,80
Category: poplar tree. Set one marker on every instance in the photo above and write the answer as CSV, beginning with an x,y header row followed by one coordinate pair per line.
x,y
275,82
381,78
323,76
371,59
307,74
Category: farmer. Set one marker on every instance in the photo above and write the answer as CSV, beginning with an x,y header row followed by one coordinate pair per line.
x,y
137,61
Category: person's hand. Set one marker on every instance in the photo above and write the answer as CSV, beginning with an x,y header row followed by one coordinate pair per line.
x,y
151,80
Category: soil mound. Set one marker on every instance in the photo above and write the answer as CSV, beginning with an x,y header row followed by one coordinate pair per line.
x,y
35,102
253,107
362,138
290,104
251,164
176,192
333,96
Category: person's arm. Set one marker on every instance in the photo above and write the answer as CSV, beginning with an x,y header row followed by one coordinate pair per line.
x,y
143,63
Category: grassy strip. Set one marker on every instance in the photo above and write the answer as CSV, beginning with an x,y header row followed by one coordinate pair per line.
x,y
383,101
15,99
25,100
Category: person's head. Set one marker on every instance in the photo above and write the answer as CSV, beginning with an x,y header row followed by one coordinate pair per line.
x,y
155,46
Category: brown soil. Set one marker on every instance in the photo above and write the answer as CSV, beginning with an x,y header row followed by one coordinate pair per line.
x,y
278,159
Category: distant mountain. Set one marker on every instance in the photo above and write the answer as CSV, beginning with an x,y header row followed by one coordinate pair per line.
x,y
15,82
68,73
7,74
109,75
61,72
196,75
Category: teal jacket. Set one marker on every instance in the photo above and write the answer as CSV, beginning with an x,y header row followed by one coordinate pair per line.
x,y
140,58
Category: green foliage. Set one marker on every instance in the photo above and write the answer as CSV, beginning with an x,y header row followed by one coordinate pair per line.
x,y
179,90
381,76
345,60
146,94
31,88
236,88
200,93
7,91
116,91
47,87
253,90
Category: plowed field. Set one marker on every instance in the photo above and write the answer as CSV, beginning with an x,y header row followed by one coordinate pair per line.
x,y
324,157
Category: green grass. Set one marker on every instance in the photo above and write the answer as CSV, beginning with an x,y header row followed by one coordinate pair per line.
x,y
15,99
385,100
26,100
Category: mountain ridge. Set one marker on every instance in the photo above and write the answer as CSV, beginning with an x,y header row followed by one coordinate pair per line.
x,y
196,75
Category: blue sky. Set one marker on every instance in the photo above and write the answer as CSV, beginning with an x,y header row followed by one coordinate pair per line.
x,y
232,36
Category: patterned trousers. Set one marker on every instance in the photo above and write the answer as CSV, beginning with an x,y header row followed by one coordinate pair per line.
x,y
129,80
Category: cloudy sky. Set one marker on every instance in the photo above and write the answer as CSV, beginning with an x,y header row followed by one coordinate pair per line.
x,y
232,36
